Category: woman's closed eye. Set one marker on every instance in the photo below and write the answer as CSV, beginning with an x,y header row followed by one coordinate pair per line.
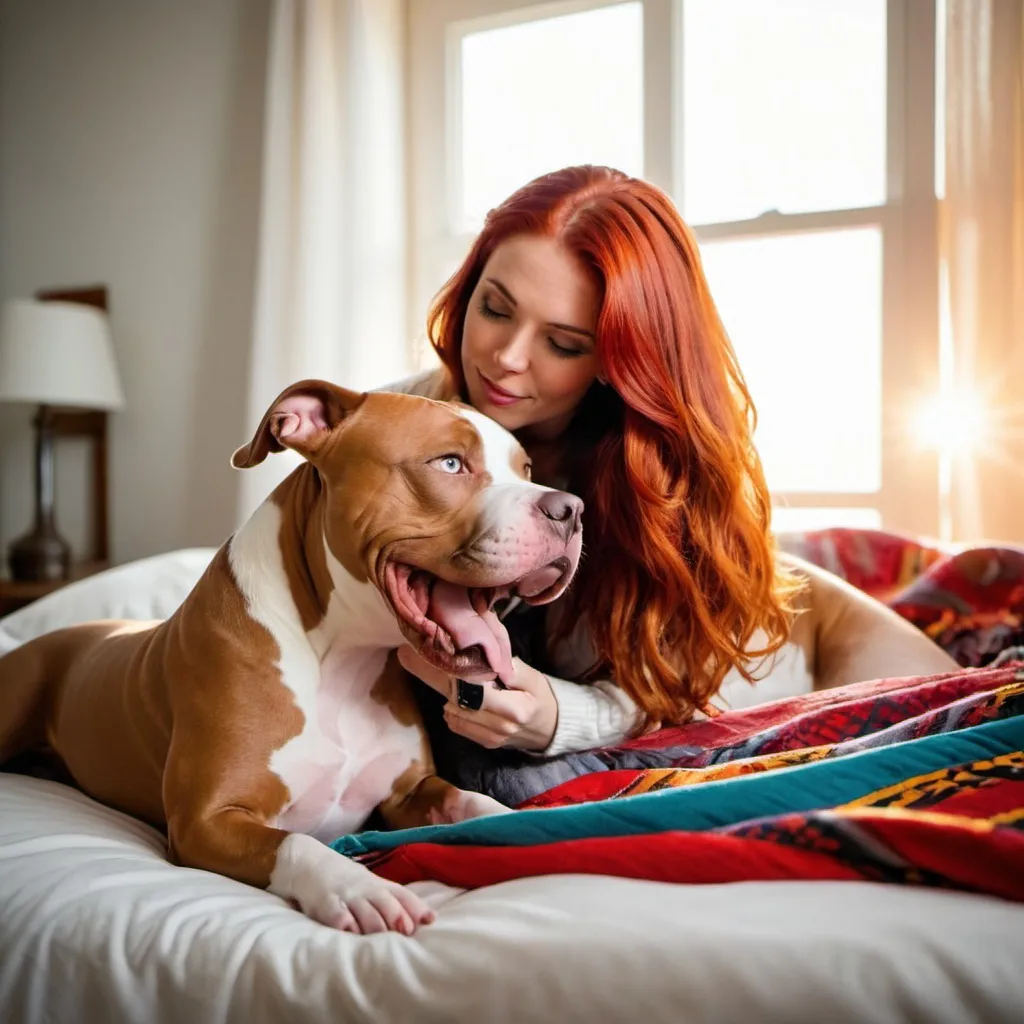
x,y
488,311
565,351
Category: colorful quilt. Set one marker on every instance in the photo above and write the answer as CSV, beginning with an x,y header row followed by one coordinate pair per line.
x,y
970,600
914,781
917,781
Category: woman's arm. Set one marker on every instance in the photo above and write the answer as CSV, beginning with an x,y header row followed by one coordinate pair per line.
x,y
537,713
849,637
595,715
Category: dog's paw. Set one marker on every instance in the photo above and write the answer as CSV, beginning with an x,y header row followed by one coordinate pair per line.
x,y
477,805
342,894
460,805
374,905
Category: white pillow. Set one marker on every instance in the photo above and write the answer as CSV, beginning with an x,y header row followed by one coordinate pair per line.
x,y
151,588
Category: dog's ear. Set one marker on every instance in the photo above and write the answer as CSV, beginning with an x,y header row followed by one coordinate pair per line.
x,y
302,417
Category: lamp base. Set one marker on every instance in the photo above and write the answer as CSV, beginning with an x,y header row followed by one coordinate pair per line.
x,y
42,554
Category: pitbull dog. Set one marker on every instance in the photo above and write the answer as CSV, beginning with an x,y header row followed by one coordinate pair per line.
x,y
268,713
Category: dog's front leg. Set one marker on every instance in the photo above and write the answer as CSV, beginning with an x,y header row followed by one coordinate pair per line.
x,y
419,796
219,817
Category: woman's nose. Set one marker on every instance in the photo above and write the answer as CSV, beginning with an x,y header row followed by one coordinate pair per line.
x,y
514,355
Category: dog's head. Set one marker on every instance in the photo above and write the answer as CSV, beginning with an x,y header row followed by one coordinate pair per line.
x,y
433,503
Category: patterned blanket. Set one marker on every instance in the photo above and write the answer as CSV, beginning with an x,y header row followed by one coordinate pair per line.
x,y
969,601
916,781
919,781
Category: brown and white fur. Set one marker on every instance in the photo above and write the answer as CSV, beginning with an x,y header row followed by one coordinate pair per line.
x,y
269,713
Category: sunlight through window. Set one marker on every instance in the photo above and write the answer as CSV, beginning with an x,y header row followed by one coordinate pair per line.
x,y
547,94
784,106
804,313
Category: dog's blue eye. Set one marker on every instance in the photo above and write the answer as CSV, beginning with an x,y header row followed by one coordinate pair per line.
x,y
450,464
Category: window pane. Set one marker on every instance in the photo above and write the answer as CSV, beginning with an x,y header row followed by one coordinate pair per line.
x,y
546,94
799,520
784,106
804,315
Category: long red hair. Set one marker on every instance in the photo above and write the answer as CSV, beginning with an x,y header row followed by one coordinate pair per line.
x,y
680,573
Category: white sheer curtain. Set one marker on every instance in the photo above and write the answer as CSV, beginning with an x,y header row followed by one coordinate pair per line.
x,y
982,237
330,291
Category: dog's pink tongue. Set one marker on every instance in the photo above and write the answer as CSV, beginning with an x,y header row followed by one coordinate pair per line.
x,y
450,608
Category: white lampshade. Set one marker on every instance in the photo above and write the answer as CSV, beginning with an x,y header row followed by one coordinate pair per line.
x,y
57,353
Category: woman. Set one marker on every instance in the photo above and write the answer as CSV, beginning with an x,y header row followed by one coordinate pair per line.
x,y
582,322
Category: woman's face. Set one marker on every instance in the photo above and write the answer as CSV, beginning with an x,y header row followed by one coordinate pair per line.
x,y
528,349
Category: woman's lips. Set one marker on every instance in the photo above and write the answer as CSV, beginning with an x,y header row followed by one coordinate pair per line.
x,y
496,395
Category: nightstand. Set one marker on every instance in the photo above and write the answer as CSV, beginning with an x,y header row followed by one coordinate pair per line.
x,y
15,594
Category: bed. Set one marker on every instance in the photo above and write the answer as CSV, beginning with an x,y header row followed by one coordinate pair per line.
x,y
96,925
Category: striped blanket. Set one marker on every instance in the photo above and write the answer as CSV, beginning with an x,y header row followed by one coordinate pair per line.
x,y
916,781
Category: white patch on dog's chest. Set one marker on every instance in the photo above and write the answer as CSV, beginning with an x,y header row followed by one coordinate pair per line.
x,y
351,748
348,755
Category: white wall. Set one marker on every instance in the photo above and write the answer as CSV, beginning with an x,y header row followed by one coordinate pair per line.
x,y
130,139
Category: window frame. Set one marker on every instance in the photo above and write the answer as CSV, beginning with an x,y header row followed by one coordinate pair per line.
x,y
909,496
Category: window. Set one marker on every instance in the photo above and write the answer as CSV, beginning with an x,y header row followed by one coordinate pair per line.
x,y
590,63
804,312
797,138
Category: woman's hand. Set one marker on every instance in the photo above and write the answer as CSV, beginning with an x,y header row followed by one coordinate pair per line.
x,y
523,716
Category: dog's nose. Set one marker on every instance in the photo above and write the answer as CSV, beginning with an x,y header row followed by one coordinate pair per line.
x,y
560,507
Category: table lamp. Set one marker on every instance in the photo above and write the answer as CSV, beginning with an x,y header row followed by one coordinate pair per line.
x,y
53,354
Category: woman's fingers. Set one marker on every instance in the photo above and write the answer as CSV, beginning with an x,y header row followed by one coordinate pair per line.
x,y
522,716
500,727
473,730
494,723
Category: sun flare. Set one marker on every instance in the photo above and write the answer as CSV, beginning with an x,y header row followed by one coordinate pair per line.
x,y
953,424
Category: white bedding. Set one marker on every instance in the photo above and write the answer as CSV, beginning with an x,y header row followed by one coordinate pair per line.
x,y
96,926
